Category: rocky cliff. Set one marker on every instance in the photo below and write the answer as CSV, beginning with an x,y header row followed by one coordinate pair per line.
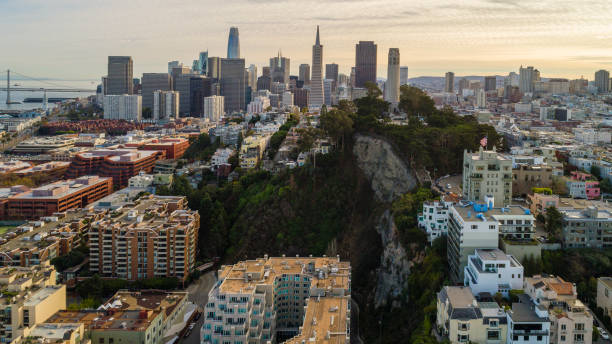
x,y
388,174
390,178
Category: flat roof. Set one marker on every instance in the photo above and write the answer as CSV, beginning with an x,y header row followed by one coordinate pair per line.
x,y
62,188
525,312
44,167
146,299
54,330
41,295
325,321
492,254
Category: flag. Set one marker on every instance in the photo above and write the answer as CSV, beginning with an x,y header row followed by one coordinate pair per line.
x,y
483,141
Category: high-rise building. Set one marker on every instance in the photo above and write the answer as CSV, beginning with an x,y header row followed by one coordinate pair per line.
x,y
172,65
365,63
449,82
305,74
177,72
192,89
233,44
120,75
264,83
165,105
331,72
487,173
403,76
490,83
214,108
279,69
214,68
300,97
317,95
481,98
252,80
602,81
265,71
203,62
527,78
392,86
167,231
319,310
464,84
328,86
233,84
152,82
287,100
128,107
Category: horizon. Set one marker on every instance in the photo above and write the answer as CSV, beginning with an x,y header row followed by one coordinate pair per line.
x,y
63,40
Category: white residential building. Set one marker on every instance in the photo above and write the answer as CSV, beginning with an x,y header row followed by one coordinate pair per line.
x,y
141,181
527,323
493,271
258,105
592,136
125,106
221,157
469,228
434,219
165,105
214,108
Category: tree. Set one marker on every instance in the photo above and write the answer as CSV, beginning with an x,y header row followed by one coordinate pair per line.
x,y
596,171
337,124
606,185
373,90
559,187
147,113
554,223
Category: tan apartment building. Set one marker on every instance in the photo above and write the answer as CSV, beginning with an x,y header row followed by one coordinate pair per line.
x,y
570,321
30,298
487,173
283,299
527,177
464,320
538,203
155,236
604,294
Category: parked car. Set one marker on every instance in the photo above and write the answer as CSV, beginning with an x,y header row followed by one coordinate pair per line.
x,y
448,186
191,326
197,316
187,334
603,333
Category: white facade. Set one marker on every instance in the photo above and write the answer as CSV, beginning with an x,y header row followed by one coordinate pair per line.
x,y
527,324
592,136
434,219
287,100
468,229
258,105
481,98
165,105
214,108
141,181
403,76
493,271
125,106
221,156
393,77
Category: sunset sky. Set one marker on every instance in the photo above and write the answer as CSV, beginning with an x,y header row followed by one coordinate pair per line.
x,y
72,38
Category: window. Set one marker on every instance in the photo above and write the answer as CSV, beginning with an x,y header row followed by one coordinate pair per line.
x,y
579,337
101,340
493,335
464,326
563,327
563,338
579,327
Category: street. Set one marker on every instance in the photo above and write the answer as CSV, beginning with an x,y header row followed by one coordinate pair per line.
x,y
198,294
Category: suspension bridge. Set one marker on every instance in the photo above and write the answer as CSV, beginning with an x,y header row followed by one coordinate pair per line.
x,y
49,87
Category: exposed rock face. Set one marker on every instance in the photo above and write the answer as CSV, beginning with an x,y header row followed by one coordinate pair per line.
x,y
388,174
390,178
394,265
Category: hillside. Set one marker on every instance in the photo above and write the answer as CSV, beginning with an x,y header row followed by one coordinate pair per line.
x,y
360,202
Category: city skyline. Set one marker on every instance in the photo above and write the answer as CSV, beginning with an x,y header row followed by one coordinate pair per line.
x,y
477,37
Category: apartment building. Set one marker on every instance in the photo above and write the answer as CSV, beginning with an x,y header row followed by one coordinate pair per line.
x,y
53,169
120,164
13,166
174,147
462,319
275,299
527,323
492,271
604,294
434,219
57,197
570,321
124,106
252,150
173,306
538,202
487,173
583,185
469,228
30,296
527,177
128,326
156,236
36,242
589,227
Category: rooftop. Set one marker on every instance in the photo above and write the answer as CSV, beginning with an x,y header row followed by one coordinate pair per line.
x,y
145,300
61,188
325,321
55,331
525,312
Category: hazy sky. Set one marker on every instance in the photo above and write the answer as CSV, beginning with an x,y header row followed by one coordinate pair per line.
x,y
72,38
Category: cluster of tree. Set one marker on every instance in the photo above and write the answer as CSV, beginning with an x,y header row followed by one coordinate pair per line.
x,y
405,212
278,137
201,148
10,179
99,289
553,223
604,183
73,258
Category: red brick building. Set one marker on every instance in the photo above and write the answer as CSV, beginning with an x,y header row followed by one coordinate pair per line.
x,y
120,164
57,197
174,147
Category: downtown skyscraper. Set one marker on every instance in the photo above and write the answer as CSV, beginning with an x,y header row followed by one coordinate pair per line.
x,y
317,95
365,63
233,44
120,75
392,86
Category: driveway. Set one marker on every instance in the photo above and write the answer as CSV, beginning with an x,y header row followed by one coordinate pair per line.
x,y
198,294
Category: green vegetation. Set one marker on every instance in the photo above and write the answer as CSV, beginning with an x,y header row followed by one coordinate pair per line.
x,y
4,229
405,212
278,137
546,191
553,224
73,258
604,183
98,289
201,148
87,303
